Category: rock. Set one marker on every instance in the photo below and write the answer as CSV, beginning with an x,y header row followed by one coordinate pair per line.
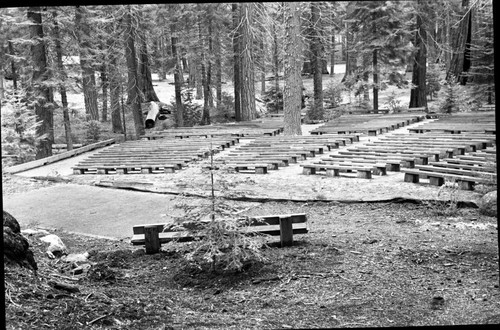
x,y
56,246
15,245
76,257
488,204
34,232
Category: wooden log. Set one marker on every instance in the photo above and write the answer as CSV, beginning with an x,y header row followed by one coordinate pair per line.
x,y
286,231
152,239
154,111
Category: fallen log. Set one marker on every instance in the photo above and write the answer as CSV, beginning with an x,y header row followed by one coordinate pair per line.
x,y
154,111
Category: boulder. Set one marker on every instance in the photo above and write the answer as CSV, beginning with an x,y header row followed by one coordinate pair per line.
x,y
488,204
56,246
15,245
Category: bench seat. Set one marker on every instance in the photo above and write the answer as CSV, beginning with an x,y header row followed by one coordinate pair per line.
x,y
438,178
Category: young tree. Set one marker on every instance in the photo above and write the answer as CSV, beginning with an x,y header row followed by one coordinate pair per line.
x,y
133,87
292,101
418,94
88,78
179,108
40,91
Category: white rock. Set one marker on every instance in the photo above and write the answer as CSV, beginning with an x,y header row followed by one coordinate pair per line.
x,y
29,231
56,245
76,257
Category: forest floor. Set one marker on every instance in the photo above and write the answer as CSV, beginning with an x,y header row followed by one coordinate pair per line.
x,y
379,253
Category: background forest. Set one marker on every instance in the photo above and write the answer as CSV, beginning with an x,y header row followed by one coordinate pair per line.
x,y
230,62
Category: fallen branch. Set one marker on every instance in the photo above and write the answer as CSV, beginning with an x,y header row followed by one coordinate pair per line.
x,y
64,286
97,319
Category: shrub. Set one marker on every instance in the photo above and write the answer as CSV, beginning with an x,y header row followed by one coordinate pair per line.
x,y
432,81
273,100
449,104
192,110
225,110
446,206
394,104
92,131
333,94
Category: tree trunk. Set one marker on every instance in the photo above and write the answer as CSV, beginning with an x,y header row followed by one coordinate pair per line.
x,y
218,67
349,56
418,95
237,61
292,63
248,111
460,62
43,111
179,108
62,87
88,78
133,88
375,80
317,62
115,88
366,74
332,56
12,65
205,118
262,68
276,67
146,81
104,86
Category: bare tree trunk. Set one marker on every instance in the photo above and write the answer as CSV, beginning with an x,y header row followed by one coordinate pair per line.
x,y
133,87
218,67
179,108
366,73
43,111
317,62
375,80
237,61
418,95
262,68
115,88
205,119
332,56
276,67
62,87
13,65
104,86
145,79
292,62
248,110
460,61
88,77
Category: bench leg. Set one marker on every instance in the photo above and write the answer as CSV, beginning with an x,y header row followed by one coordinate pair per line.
x,y
436,180
364,174
78,171
121,171
409,163
261,170
413,178
102,171
146,170
394,167
169,169
332,172
466,185
309,170
286,231
152,240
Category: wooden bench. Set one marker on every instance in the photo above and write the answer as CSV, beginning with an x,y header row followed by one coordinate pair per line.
x,y
363,172
378,168
123,169
438,178
389,164
283,225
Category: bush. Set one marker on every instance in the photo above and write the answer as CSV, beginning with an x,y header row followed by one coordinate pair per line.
x,y
449,104
333,94
192,110
273,100
432,81
394,104
92,131
225,110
